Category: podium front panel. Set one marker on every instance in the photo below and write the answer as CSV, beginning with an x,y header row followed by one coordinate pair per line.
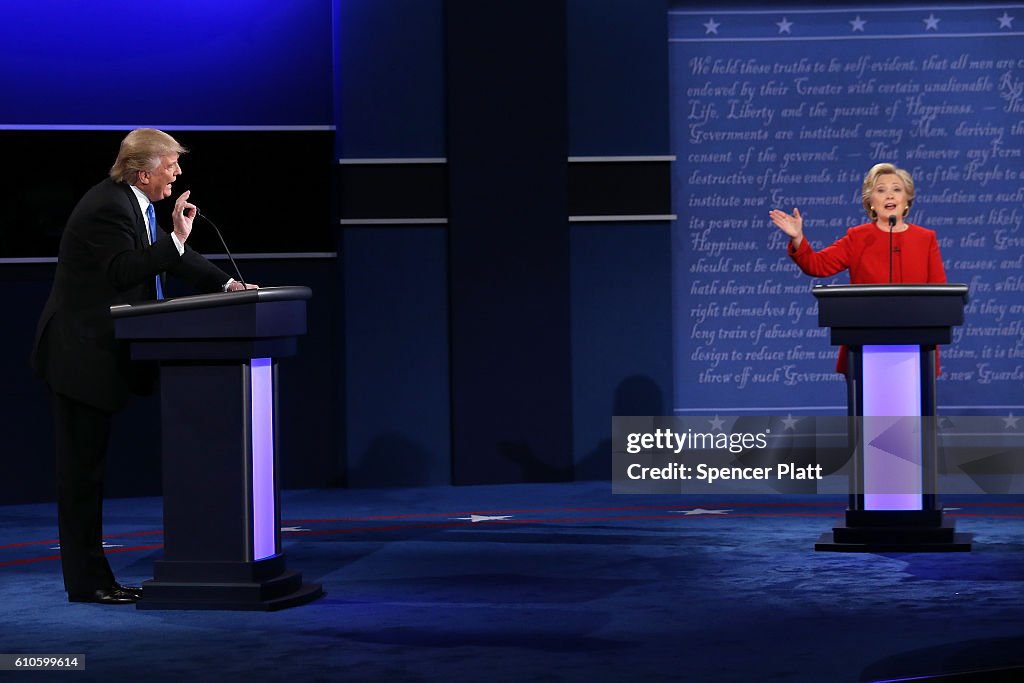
x,y
261,429
892,444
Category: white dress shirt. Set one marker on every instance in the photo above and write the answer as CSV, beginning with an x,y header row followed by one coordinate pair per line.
x,y
144,203
151,229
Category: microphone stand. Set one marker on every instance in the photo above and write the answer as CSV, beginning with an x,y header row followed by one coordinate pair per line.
x,y
892,224
239,273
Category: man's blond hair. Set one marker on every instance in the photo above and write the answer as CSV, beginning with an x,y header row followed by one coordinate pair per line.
x,y
141,150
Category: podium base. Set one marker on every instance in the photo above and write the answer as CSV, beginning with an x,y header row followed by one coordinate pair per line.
x,y
961,543
239,597
265,585
894,531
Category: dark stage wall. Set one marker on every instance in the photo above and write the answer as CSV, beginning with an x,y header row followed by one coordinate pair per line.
x,y
477,192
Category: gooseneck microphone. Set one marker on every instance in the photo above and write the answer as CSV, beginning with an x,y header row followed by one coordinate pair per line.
x,y
228,251
892,224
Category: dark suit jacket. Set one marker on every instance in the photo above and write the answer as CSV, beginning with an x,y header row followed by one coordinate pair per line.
x,y
105,259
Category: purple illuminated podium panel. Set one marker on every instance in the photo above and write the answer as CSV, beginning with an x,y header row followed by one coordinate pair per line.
x,y
218,392
891,333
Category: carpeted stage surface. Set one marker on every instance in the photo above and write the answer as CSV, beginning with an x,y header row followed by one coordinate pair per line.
x,y
559,582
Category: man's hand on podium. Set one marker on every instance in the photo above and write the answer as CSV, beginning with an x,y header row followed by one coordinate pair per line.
x,y
235,286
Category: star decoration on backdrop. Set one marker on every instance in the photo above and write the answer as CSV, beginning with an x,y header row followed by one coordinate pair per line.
x,y
700,511
484,518
716,424
1010,421
789,422
857,24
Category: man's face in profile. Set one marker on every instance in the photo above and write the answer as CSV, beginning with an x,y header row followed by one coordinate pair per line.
x,y
156,184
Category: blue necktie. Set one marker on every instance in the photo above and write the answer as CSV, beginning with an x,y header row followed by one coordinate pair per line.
x,y
151,215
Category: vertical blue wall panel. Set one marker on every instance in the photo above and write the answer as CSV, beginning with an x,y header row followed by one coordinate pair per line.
x,y
397,426
508,241
621,333
390,78
621,272
618,77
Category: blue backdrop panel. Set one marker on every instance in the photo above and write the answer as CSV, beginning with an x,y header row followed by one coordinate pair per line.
x,y
618,67
390,78
191,63
508,241
621,358
789,108
397,403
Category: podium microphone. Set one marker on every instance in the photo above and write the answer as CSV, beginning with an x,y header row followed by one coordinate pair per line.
x,y
892,224
239,273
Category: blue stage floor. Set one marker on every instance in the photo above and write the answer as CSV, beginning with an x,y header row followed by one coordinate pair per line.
x,y
557,582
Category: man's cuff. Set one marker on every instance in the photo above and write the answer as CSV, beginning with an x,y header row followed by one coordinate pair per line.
x,y
227,284
178,244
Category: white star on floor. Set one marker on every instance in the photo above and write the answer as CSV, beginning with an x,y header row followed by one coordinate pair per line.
x,y
1005,21
711,27
858,24
484,518
931,23
784,25
700,511
106,544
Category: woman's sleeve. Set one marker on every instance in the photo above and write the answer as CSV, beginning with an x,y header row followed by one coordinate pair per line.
x,y
936,275
936,271
825,263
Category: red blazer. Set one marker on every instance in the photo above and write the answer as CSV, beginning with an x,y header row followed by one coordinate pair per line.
x,y
864,250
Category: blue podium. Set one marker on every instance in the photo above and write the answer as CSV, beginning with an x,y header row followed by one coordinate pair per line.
x,y
218,390
891,333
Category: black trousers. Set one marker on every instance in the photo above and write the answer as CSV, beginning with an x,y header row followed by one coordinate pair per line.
x,y
82,434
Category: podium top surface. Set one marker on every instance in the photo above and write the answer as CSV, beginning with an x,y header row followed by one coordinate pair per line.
x,y
216,300
896,314
888,290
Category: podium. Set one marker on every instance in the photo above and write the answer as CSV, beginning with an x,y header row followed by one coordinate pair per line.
x,y
891,332
218,391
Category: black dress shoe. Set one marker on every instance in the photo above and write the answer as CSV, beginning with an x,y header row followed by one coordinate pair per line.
x,y
131,590
105,596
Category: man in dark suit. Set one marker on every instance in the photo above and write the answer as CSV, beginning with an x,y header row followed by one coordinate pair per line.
x,y
111,252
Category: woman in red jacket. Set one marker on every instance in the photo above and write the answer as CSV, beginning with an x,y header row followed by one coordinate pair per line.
x,y
888,194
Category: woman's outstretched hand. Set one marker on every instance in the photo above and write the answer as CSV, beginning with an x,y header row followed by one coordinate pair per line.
x,y
791,225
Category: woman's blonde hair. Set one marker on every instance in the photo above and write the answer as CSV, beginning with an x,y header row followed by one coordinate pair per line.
x,y
141,150
872,178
